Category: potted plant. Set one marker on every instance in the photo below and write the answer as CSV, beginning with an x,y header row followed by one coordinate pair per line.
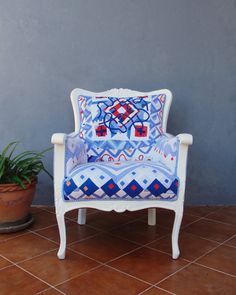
x,y
18,178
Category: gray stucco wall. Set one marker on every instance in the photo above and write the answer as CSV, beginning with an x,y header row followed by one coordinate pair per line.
x,y
49,47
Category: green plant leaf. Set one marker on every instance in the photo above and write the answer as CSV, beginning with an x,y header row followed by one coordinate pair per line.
x,y
18,181
23,167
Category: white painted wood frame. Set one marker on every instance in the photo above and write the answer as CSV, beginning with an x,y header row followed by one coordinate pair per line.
x,y
58,139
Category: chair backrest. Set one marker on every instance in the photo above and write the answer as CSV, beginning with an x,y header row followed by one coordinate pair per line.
x,y
118,122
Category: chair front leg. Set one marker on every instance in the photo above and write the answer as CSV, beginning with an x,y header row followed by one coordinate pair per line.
x,y
82,216
62,231
175,232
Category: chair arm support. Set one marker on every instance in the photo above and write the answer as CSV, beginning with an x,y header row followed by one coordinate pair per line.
x,y
177,147
185,140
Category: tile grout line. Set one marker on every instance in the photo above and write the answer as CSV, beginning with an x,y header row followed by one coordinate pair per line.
x,y
218,221
105,264
165,290
190,223
126,239
11,238
76,276
184,232
48,289
84,255
37,234
54,212
125,273
231,246
118,257
155,287
141,246
3,268
54,249
202,218
215,210
193,262
36,256
134,220
14,264
147,289
58,243
51,286
84,239
217,270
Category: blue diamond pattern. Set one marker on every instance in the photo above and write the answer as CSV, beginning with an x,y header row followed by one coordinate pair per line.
x,y
110,187
133,189
174,186
88,187
69,186
156,188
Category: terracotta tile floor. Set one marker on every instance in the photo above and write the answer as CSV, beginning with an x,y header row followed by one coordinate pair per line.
x,y
120,254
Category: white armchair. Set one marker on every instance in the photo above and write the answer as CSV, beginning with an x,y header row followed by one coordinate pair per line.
x,y
120,158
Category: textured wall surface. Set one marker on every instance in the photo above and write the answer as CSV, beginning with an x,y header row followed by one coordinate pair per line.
x,y
49,47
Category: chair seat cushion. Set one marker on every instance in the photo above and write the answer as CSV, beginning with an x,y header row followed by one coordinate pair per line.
x,y
129,180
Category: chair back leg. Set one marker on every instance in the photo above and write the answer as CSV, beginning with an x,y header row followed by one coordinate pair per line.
x,y
81,216
152,216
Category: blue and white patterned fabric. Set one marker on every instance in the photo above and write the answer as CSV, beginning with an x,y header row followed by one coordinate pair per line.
x,y
75,152
118,139
122,181
119,128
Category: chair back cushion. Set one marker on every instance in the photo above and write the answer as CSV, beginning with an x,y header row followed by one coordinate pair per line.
x,y
120,128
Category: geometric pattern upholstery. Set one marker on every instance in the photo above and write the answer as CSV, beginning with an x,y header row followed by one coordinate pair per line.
x,y
111,125
121,151
75,152
121,180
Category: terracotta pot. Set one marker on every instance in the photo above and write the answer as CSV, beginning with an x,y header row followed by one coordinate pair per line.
x,y
15,202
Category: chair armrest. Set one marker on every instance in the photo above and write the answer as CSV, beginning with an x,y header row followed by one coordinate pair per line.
x,y
185,138
58,138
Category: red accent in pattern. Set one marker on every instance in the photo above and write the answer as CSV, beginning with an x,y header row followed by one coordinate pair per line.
x,y
133,187
172,158
116,110
156,186
122,157
140,131
111,186
101,131
177,184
